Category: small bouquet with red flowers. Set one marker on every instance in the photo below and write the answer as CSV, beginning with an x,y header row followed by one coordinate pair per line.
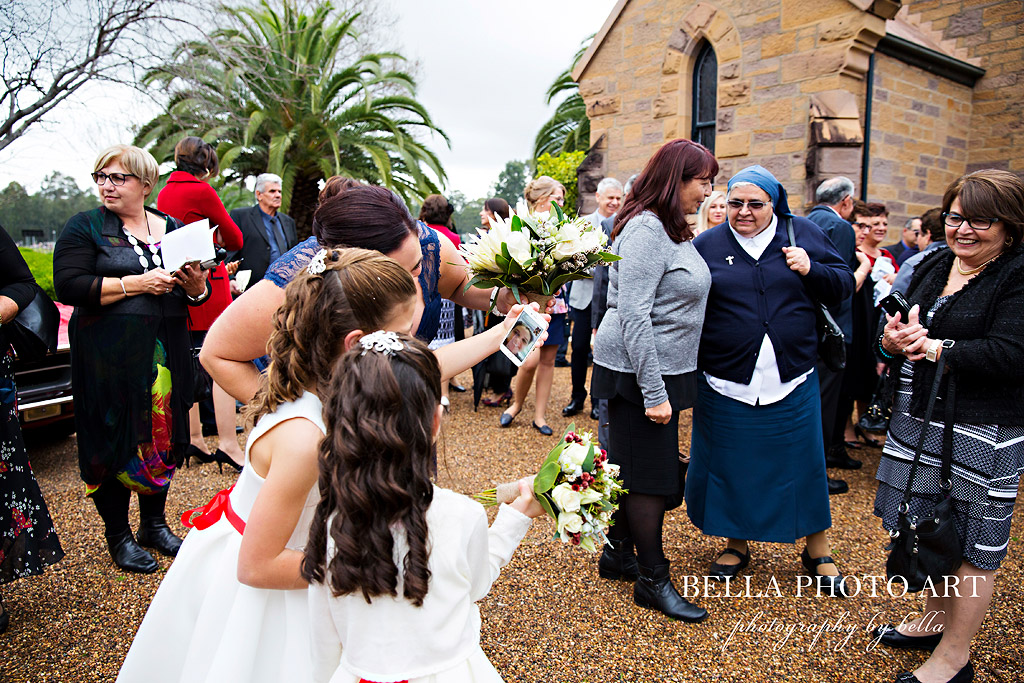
x,y
576,486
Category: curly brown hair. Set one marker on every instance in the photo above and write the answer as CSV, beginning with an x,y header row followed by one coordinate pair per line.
x,y
359,290
376,469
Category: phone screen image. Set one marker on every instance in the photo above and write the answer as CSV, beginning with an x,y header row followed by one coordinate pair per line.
x,y
523,337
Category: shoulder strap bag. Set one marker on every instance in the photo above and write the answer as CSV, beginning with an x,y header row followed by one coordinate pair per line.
x,y
831,345
927,548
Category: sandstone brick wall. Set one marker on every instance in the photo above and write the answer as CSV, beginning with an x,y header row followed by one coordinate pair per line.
x,y
920,127
772,55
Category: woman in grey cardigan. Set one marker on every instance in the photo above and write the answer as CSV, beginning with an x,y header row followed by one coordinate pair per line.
x,y
645,362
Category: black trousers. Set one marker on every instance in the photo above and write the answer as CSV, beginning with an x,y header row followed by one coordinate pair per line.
x,y
581,333
831,385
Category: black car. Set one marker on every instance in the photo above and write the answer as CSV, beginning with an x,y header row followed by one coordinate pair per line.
x,y
44,387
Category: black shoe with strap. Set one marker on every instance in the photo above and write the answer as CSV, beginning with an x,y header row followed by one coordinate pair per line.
x,y
154,533
129,555
618,563
729,571
654,590
964,675
834,586
887,635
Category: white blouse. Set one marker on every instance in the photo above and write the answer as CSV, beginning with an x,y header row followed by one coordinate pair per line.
x,y
766,385
391,639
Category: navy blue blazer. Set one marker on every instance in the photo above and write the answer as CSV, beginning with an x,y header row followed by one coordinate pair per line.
x,y
845,240
750,298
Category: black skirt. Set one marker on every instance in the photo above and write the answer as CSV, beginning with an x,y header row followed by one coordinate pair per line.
x,y
646,453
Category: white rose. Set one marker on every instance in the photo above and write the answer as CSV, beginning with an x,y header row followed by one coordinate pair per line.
x,y
590,495
568,239
611,470
590,240
569,523
575,453
565,498
519,246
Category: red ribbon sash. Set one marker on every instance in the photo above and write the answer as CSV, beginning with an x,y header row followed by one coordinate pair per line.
x,y
206,516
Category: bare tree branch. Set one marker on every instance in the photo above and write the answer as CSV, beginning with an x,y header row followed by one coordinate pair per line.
x,y
50,50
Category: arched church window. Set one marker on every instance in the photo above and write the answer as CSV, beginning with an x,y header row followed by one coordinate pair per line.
x,y
705,97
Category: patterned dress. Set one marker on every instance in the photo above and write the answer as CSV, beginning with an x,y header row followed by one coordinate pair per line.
x,y
988,460
28,542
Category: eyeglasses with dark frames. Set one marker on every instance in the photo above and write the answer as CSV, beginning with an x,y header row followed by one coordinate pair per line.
x,y
955,220
754,205
99,177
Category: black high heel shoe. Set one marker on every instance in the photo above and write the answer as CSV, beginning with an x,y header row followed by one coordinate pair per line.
x,y
863,436
964,675
222,458
505,399
192,451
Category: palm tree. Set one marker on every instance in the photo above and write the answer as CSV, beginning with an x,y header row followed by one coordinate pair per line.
x,y
270,91
568,130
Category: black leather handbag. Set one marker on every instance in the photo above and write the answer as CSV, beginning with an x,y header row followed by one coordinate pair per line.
x,y
831,344
927,548
33,333
876,417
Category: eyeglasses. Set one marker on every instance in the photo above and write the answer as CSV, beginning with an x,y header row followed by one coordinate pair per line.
x,y
752,205
955,220
99,177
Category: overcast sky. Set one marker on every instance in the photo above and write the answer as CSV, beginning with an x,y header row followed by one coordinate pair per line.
x,y
483,69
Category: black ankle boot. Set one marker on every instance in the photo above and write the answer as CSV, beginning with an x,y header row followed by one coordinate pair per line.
x,y
154,533
129,555
654,590
617,562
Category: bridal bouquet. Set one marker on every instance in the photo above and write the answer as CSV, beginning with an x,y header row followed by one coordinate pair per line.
x,y
576,486
535,253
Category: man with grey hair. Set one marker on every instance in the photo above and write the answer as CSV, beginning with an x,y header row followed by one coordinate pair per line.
x,y
266,232
832,214
581,294
907,246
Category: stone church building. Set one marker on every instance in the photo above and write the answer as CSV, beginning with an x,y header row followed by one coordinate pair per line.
x,y
901,98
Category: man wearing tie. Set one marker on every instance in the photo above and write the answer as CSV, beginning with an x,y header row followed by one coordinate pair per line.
x,y
266,232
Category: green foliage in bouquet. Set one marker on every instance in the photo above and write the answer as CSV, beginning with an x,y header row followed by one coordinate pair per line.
x,y
536,253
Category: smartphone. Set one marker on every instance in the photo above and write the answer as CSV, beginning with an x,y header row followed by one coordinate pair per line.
x,y
895,303
524,336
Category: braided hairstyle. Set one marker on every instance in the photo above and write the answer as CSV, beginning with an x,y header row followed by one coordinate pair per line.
x,y
376,469
359,289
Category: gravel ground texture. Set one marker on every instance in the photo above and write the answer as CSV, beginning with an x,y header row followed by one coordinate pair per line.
x,y
549,617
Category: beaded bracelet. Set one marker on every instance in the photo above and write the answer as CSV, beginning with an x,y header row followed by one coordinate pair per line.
x,y
881,349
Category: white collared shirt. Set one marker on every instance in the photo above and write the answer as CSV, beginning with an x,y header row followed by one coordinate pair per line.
x,y
766,386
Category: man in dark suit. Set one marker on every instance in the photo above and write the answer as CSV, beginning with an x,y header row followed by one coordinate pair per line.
x,y
907,246
266,232
835,205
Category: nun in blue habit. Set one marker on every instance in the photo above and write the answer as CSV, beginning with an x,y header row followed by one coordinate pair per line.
x,y
757,467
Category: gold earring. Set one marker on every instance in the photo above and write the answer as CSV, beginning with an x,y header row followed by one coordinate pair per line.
x,y
1008,242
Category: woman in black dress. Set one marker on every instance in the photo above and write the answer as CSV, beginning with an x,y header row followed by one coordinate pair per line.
x,y
131,365
28,542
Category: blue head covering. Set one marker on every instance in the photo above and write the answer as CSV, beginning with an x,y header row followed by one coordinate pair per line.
x,y
763,178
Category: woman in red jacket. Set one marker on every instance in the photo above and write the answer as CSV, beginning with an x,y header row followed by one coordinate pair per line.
x,y
189,198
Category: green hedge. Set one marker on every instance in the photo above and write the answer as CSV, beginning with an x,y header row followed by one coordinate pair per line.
x,y
41,265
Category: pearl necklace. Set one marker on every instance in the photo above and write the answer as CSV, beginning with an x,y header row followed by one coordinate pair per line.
x,y
153,250
972,271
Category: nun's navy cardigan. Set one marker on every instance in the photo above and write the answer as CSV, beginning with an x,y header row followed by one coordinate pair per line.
x,y
749,298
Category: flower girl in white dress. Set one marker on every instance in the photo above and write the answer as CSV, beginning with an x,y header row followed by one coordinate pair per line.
x,y
233,605
395,563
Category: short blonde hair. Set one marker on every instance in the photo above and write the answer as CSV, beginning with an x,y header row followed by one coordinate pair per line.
x,y
540,188
135,160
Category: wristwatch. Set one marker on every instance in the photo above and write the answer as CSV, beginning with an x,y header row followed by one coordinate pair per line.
x,y
933,350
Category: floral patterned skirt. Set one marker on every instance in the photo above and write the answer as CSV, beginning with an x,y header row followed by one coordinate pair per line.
x,y
28,542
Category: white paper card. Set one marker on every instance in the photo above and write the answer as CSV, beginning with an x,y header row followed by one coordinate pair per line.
x,y
242,279
194,242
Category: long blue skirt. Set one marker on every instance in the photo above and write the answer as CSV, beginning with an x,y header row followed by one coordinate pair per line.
x,y
758,472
